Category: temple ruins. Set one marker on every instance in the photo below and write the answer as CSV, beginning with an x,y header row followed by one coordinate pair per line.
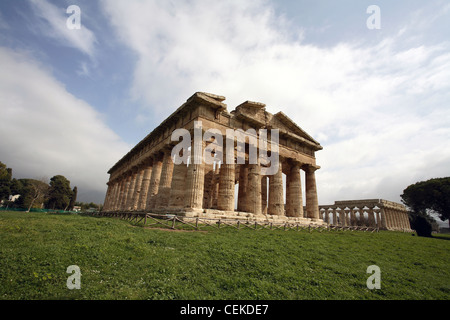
x,y
147,179
375,213
239,180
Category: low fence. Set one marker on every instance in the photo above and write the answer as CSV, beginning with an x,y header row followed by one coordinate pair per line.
x,y
174,222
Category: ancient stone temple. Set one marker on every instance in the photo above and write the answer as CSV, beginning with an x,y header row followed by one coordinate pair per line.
x,y
375,213
159,176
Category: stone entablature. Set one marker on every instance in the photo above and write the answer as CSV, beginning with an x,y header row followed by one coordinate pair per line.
x,y
376,213
146,178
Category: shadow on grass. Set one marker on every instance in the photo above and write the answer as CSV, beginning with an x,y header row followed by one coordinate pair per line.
x,y
441,236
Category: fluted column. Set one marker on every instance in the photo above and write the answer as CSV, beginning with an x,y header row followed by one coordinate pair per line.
x,y
378,219
107,196
335,217
126,188
294,192
384,222
109,205
215,186
146,175
254,189
312,204
243,186
276,201
130,196
117,196
137,187
264,194
154,182
177,189
162,199
345,214
227,174
353,221
193,197
371,218
207,187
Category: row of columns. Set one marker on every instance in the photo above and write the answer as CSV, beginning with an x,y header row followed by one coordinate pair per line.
x,y
158,184
383,218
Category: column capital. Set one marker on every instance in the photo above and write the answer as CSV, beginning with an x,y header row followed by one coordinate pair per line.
x,y
310,167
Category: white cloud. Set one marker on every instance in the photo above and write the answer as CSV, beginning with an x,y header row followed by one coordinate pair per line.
x,y
56,17
47,131
380,110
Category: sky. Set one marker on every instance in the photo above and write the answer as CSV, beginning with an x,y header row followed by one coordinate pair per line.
x,y
74,101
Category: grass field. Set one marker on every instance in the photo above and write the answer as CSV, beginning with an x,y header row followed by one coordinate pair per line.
x,y
123,260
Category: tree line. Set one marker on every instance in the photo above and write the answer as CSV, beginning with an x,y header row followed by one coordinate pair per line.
x,y
425,198
38,193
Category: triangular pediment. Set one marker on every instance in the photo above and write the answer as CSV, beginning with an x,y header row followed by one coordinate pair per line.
x,y
286,123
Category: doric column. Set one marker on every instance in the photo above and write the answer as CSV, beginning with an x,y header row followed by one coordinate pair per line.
x,y
109,205
146,175
137,187
107,196
276,201
326,216
117,195
345,214
371,217
131,196
177,189
254,189
225,199
384,223
312,204
162,199
335,217
294,192
126,188
353,221
154,182
264,194
378,219
243,185
207,186
193,197
408,224
215,186
395,218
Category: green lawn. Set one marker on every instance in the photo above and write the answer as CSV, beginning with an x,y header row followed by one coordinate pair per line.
x,y
123,260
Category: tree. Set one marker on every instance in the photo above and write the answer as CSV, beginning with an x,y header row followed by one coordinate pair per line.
x,y
32,193
5,181
431,196
73,199
59,194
